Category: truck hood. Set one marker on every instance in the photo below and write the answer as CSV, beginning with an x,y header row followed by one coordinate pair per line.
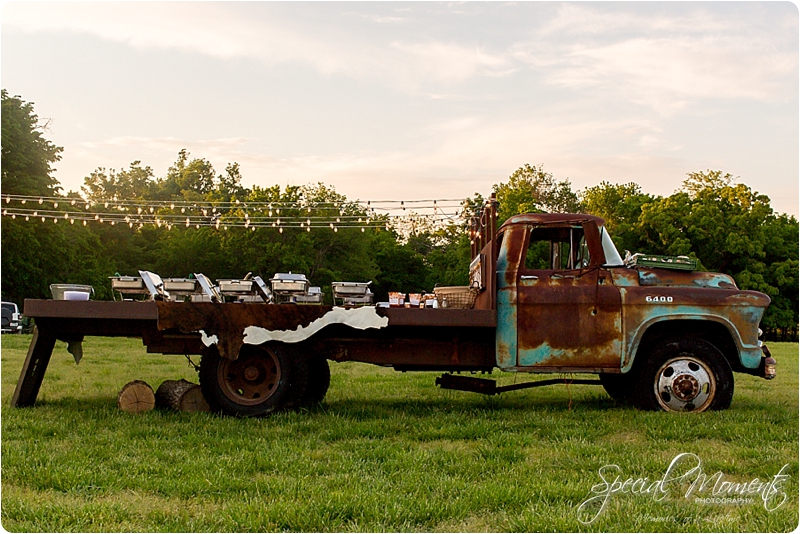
x,y
669,277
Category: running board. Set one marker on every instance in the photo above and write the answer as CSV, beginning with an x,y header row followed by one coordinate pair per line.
x,y
489,387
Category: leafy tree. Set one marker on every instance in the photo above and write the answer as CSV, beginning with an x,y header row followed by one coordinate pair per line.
x,y
730,229
532,190
27,157
136,182
621,207
186,179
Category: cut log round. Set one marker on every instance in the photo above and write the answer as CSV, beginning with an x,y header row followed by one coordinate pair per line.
x,y
136,397
192,400
169,393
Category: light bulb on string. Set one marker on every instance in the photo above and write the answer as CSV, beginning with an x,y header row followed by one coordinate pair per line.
x,y
41,200
55,204
187,222
23,201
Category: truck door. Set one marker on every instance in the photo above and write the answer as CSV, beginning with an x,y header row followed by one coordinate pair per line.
x,y
569,313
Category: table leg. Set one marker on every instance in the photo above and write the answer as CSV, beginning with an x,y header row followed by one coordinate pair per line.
x,y
30,379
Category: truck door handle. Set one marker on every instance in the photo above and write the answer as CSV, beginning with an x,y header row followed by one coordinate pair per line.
x,y
528,277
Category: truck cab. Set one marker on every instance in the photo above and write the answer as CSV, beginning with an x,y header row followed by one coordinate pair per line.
x,y
664,337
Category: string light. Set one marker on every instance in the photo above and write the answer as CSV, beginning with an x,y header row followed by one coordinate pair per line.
x,y
416,215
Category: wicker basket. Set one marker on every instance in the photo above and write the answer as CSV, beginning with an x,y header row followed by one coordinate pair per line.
x,y
457,297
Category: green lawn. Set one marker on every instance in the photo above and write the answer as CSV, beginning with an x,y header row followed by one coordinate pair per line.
x,y
385,452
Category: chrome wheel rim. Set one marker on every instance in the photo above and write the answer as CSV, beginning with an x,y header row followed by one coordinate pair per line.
x,y
685,384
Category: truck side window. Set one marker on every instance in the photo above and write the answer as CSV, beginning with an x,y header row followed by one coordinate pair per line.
x,y
557,249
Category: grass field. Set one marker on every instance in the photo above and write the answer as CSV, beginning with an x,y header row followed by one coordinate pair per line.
x,y
385,452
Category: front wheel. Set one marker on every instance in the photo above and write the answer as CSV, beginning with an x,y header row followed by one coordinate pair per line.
x,y
254,384
684,375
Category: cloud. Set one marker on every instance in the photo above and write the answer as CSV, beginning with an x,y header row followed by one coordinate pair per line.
x,y
665,60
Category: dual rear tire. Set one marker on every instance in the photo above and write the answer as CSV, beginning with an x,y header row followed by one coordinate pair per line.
x,y
263,379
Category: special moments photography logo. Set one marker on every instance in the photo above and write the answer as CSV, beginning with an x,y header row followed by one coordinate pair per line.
x,y
684,475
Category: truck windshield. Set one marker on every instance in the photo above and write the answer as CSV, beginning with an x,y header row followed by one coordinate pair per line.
x,y
613,259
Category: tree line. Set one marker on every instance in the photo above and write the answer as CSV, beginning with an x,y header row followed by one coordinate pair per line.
x,y
722,223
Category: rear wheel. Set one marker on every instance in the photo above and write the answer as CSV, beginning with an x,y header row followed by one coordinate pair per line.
x,y
684,375
319,380
254,384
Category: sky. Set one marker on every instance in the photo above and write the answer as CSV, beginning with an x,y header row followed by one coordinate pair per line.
x,y
406,100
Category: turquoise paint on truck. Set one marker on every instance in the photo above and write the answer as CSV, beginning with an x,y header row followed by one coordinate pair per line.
x,y
506,334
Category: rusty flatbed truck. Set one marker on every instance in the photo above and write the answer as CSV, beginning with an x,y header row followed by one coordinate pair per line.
x,y
555,297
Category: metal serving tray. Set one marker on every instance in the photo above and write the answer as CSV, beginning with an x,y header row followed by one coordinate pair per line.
x,y
288,283
127,283
180,285
314,296
235,287
343,289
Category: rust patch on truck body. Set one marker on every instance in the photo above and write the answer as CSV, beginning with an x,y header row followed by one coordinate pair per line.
x,y
556,320
704,297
